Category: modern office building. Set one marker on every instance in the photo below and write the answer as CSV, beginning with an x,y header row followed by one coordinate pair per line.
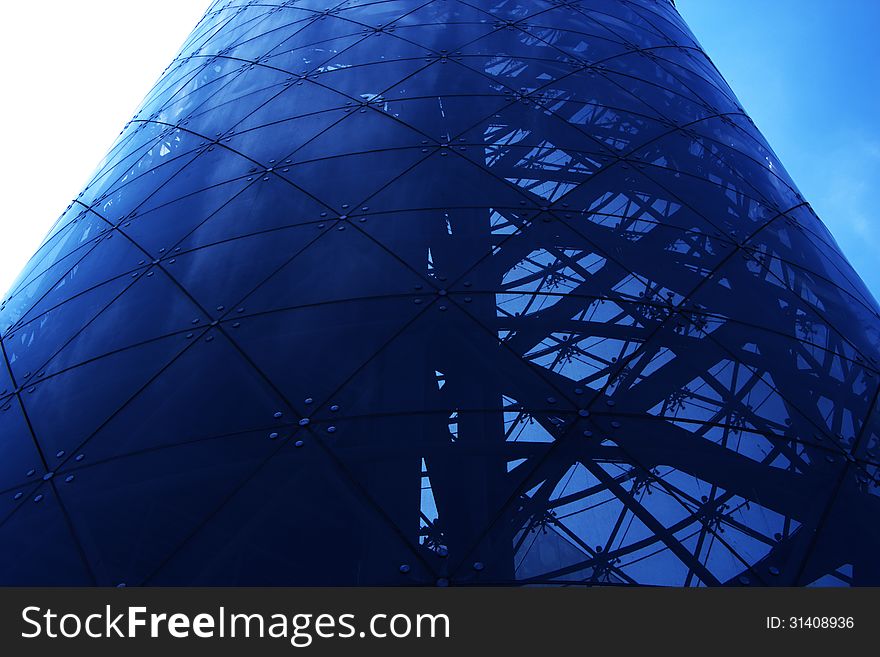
x,y
440,292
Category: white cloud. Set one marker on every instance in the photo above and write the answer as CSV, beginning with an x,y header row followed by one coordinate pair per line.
x,y
847,199
74,73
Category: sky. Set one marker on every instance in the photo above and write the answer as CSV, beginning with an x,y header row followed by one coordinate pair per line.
x,y
807,73
69,85
805,70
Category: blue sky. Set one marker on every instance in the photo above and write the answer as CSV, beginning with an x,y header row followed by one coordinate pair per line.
x,y
807,72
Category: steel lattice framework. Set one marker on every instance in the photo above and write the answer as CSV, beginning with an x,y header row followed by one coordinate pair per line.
x,y
439,291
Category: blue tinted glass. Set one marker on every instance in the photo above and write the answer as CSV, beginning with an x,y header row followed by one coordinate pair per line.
x,y
392,292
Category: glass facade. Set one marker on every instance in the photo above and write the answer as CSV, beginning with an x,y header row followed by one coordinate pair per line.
x,y
429,292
